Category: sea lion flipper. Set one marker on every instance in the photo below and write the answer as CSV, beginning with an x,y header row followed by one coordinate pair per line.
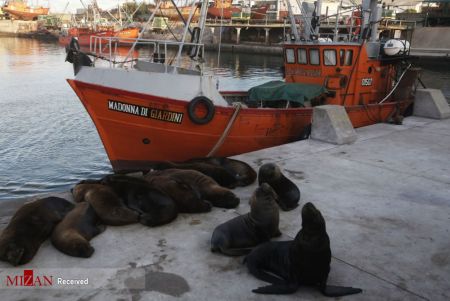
x,y
338,291
277,289
235,251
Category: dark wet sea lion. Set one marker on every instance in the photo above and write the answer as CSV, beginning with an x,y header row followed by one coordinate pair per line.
x,y
29,227
239,235
155,207
243,173
107,205
72,235
188,200
288,192
302,261
222,176
207,188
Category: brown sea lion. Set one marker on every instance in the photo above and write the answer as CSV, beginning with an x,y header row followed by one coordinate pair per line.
x,y
155,207
302,261
29,227
72,235
239,235
288,192
187,198
207,188
108,206
222,176
243,173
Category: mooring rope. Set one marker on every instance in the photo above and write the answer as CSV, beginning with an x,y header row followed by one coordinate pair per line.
x,y
237,106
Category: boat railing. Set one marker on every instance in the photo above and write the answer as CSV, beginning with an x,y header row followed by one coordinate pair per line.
x,y
112,49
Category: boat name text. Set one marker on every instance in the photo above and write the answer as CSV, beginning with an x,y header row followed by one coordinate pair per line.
x,y
304,72
157,114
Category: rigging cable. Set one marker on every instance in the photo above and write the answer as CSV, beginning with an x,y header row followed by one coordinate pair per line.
x,y
220,36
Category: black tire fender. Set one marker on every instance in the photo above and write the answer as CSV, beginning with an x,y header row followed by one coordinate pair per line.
x,y
210,110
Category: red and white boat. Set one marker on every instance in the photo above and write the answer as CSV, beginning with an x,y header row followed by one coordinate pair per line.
x,y
153,111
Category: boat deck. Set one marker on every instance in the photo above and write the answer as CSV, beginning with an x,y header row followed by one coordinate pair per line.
x,y
386,200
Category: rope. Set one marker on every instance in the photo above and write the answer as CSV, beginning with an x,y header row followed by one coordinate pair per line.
x,y
237,106
396,85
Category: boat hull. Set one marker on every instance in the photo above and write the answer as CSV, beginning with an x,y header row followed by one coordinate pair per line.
x,y
157,129
84,39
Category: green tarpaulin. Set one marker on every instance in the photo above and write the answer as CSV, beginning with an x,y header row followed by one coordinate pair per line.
x,y
279,90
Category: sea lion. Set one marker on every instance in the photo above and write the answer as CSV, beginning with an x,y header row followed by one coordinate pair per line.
x,y
208,189
239,235
107,205
243,173
186,198
302,261
72,235
222,176
288,192
29,227
155,207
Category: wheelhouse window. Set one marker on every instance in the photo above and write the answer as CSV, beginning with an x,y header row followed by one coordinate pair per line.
x,y
314,57
345,57
290,56
329,57
341,57
348,58
302,57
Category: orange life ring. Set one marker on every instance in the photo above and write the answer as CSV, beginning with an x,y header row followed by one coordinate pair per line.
x,y
356,24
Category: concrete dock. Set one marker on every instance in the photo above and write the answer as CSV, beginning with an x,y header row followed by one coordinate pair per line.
x,y
386,200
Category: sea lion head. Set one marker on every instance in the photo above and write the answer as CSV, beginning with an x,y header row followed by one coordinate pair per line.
x,y
268,172
263,203
312,218
79,191
12,253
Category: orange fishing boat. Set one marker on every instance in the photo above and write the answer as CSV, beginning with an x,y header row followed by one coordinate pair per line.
x,y
167,9
20,10
153,111
86,34
222,9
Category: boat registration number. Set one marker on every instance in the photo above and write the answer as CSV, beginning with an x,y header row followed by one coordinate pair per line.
x,y
366,81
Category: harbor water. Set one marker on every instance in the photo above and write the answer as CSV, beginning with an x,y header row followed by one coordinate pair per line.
x,y
47,140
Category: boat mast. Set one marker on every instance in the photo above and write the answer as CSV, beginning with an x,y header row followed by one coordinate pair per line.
x,y
186,30
293,22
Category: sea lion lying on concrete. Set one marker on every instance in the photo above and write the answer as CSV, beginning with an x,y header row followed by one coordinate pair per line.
x,y
72,235
207,188
187,199
239,235
107,205
302,261
155,207
222,176
243,173
30,226
288,192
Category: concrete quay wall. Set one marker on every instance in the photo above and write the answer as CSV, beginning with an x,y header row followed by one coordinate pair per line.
x,y
17,27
